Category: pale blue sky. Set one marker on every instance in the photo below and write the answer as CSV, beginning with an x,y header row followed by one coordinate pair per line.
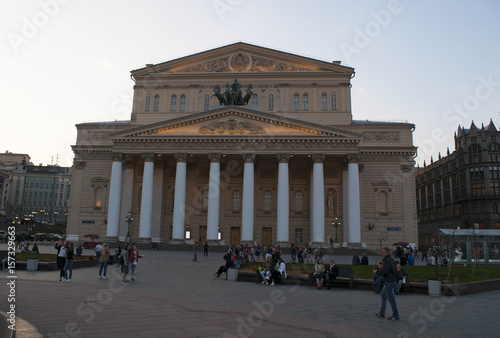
x,y
414,60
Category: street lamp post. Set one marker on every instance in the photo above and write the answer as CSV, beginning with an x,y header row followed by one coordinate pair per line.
x,y
336,224
129,220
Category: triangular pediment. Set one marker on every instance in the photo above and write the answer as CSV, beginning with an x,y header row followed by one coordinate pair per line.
x,y
235,121
242,57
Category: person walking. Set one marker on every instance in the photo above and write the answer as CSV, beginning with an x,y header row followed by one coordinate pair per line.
x,y
68,267
134,260
205,249
389,279
124,262
103,261
195,252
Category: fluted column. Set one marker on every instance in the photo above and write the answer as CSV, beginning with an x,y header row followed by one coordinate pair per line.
x,y
318,207
353,203
282,235
247,210
114,198
213,198
147,198
179,198
127,194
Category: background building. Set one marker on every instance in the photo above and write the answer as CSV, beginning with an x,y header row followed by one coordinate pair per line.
x,y
39,194
463,188
244,144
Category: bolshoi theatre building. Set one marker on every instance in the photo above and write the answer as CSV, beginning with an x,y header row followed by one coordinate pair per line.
x,y
244,144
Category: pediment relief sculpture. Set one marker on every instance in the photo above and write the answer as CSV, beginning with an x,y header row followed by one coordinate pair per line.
x,y
241,62
231,126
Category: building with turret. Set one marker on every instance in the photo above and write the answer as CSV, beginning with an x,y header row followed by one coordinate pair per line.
x,y
462,189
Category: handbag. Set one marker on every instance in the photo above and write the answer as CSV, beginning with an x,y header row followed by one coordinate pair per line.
x,y
135,263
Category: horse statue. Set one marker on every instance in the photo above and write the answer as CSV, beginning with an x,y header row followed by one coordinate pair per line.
x,y
249,94
220,97
227,94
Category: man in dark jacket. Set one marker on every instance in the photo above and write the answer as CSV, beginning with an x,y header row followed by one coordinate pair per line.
x,y
389,279
332,271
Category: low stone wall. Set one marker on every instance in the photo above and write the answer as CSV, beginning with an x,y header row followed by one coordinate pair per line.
x,y
366,284
52,266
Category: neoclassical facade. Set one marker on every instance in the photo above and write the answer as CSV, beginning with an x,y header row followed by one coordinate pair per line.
x,y
244,144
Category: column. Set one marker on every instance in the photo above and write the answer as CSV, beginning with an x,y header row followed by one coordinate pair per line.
x,y
158,200
213,198
114,198
74,220
179,199
354,211
283,200
127,194
345,206
318,207
147,198
247,210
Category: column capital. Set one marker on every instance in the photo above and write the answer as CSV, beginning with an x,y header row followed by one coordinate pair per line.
x,y
248,158
181,157
283,158
148,157
214,157
79,164
318,158
117,157
352,158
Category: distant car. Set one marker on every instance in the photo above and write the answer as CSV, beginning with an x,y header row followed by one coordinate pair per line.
x,y
41,237
56,237
3,234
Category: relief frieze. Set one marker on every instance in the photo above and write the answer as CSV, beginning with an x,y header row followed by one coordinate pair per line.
x,y
98,135
381,137
231,126
241,62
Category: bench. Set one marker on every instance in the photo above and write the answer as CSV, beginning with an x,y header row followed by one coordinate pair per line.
x,y
345,274
258,277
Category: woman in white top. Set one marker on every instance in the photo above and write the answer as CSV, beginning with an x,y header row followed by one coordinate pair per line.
x,y
61,259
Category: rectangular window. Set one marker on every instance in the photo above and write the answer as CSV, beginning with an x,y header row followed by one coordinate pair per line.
x,y
299,236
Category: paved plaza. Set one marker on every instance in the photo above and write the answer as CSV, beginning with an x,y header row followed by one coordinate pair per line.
x,y
174,297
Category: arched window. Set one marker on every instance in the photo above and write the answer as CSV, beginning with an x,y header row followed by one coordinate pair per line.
x,y
236,200
255,99
148,102
183,102
271,102
98,197
305,102
382,202
298,201
267,201
334,101
324,104
173,105
156,106
206,104
475,153
296,102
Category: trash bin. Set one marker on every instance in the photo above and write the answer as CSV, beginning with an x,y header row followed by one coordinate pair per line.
x,y
232,273
32,264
